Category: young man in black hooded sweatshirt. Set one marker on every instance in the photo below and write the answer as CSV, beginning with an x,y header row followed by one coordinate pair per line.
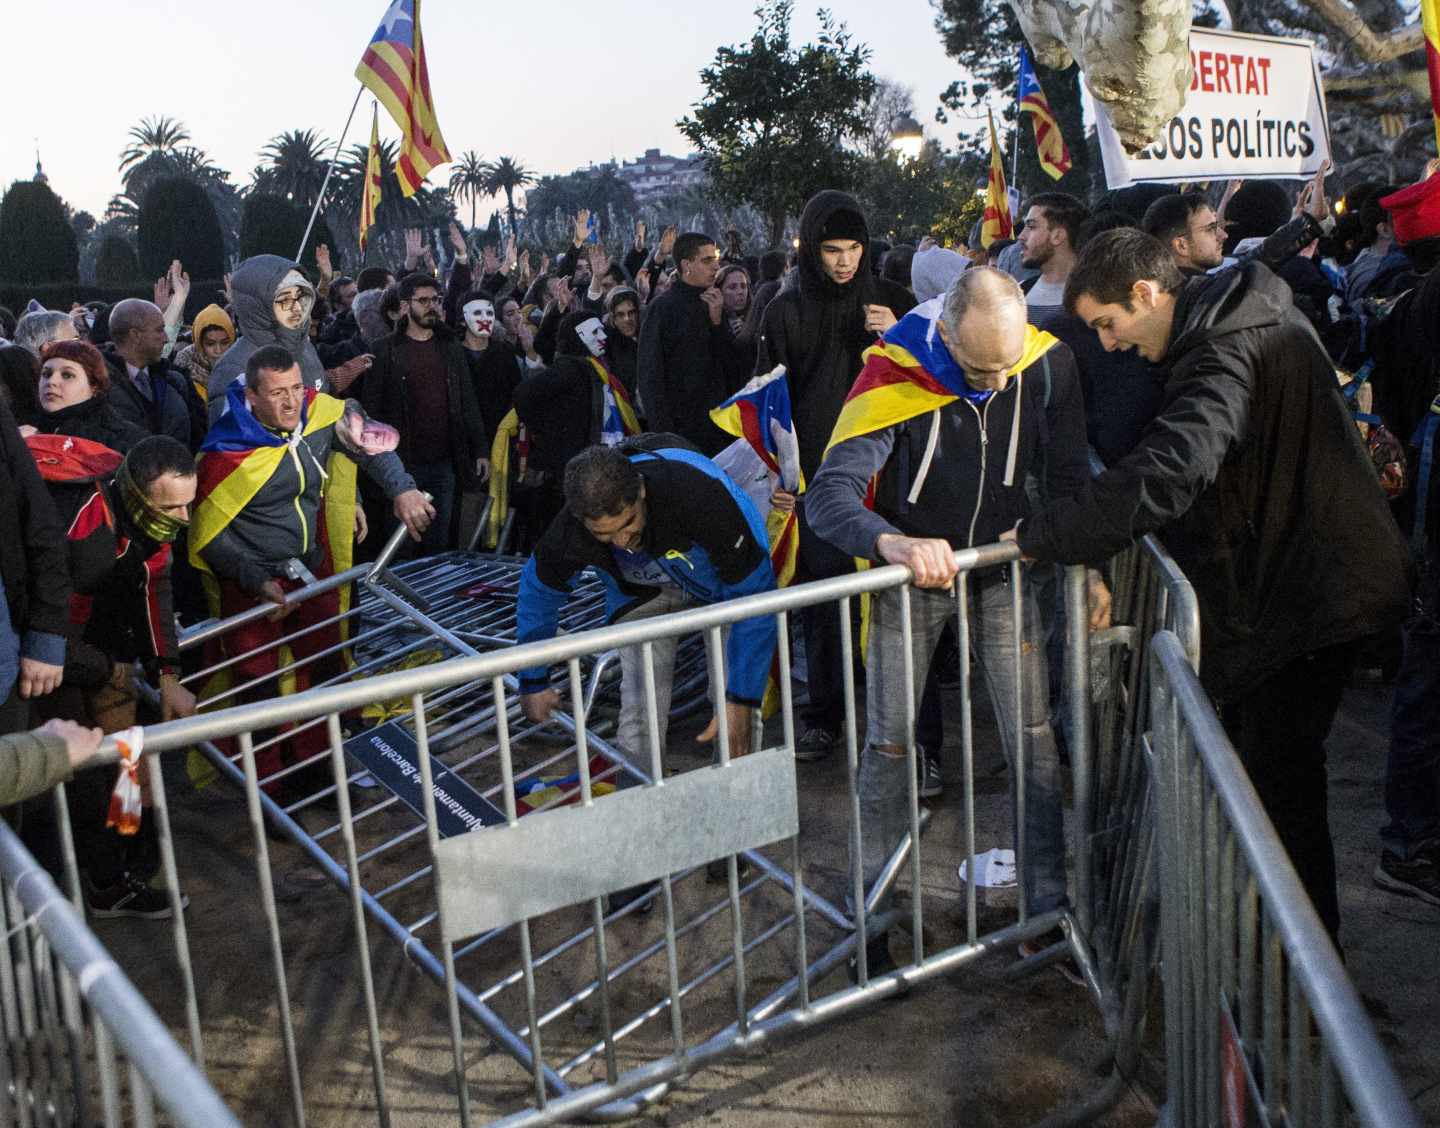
x,y
819,331
1256,479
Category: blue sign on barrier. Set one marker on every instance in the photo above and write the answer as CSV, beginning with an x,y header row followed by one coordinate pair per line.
x,y
390,754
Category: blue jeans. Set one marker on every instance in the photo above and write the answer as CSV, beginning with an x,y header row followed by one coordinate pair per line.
x,y
438,480
884,779
1412,771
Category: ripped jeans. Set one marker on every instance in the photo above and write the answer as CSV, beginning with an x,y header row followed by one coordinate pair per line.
x,y
883,782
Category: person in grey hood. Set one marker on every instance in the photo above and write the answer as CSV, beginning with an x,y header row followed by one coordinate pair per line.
x,y
272,302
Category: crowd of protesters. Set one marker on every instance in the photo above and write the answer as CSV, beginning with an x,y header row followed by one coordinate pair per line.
x,y
1257,376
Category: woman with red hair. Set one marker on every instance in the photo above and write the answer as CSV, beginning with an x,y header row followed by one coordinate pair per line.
x,y
73,384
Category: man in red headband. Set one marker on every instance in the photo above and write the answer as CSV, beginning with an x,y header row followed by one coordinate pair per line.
x,y
1406,376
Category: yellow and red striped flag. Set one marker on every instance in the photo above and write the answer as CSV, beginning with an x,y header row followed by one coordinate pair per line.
x,y
1049,142
393,69
996,223
370,198
1430,18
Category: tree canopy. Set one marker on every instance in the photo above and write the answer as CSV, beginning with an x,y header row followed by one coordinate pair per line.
x,y
775,117
178,222
37,243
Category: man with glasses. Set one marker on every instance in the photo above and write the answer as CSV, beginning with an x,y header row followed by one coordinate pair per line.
x,y
420,383
681,373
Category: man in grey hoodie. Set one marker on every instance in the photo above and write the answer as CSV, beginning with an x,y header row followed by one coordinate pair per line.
x,y
272,302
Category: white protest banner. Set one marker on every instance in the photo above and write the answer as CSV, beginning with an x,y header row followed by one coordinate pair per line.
x,y
1256,110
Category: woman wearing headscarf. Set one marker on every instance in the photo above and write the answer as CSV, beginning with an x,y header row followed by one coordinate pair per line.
x,y
212,333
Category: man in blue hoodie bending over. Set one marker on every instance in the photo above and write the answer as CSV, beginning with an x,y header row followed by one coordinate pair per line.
x,y
664,529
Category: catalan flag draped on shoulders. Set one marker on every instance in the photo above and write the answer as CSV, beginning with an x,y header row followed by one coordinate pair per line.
x,y
239,458
393,69
1049,142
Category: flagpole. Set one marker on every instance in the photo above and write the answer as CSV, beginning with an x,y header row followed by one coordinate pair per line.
x,y
1015,166
335,156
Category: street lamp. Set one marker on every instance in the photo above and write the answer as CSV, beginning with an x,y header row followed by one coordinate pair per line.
x,y
906,136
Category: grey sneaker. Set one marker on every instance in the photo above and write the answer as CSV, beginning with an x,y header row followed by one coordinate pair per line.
x,y
815,744
927,768
1419,877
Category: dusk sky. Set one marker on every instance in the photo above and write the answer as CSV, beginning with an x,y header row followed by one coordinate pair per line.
x,y
556,84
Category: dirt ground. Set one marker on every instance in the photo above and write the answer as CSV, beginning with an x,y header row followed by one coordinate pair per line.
x,y
972,1048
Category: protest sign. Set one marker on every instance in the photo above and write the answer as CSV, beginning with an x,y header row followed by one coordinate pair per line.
x,y
1255,110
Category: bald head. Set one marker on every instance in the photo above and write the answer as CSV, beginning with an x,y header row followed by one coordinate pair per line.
x,y
983,326
138,329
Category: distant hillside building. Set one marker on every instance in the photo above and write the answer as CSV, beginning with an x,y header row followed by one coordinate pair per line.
x,y
656,175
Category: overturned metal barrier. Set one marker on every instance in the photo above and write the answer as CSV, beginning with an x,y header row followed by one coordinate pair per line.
x,y
68,1014
765,943
1262,1025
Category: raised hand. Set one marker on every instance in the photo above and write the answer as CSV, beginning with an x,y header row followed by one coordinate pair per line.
x,y
413,237
179,281
714,302
582,225
639,234
642,282
162,291
322,261
667,241
510,253
492,260
523,263
599,261
457,240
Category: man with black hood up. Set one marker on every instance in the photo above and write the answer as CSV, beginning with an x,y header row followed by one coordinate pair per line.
x,y
272,302
1259,484
818,331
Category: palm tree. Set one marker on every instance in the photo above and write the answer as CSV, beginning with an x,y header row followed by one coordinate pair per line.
x,y
293,164
157,135
506,175
469,177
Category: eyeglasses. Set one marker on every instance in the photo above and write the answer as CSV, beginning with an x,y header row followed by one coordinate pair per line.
x,y
1209,229
423,301
300,301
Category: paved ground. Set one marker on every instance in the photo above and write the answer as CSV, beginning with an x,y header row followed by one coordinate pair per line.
x,y
971,1049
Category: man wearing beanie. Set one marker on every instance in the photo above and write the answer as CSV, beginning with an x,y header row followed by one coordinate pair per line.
x,y
1406,378
818,331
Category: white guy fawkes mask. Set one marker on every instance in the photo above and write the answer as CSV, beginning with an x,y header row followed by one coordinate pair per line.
x,y
592,335
479,317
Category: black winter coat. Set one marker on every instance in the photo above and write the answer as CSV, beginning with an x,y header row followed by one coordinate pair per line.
x,y
94,419
562,407
32,551
494,374
817,329
177,411
682,364
384,397
1257,480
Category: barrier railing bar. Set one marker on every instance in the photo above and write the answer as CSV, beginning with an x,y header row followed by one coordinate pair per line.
x,y
912,788
447,950
272,920
852,783
787,721
160,810
357,919
1289,917
185,731
657,779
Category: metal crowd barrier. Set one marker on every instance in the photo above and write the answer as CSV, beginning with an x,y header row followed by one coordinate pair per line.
x,y
67,1013
485,913
1262,1025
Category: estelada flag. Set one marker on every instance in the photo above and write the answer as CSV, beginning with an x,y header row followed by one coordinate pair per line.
x,y
239,455
1430,21
996,223
759,413
370,199
620,417
910,372
393,69
1049,143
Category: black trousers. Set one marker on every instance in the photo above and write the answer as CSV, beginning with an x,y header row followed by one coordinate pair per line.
x,y
1279,731
820,625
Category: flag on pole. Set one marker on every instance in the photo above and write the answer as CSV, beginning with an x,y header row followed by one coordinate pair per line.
x,y
393,69
996,222
1430,19
1049,143
370,199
